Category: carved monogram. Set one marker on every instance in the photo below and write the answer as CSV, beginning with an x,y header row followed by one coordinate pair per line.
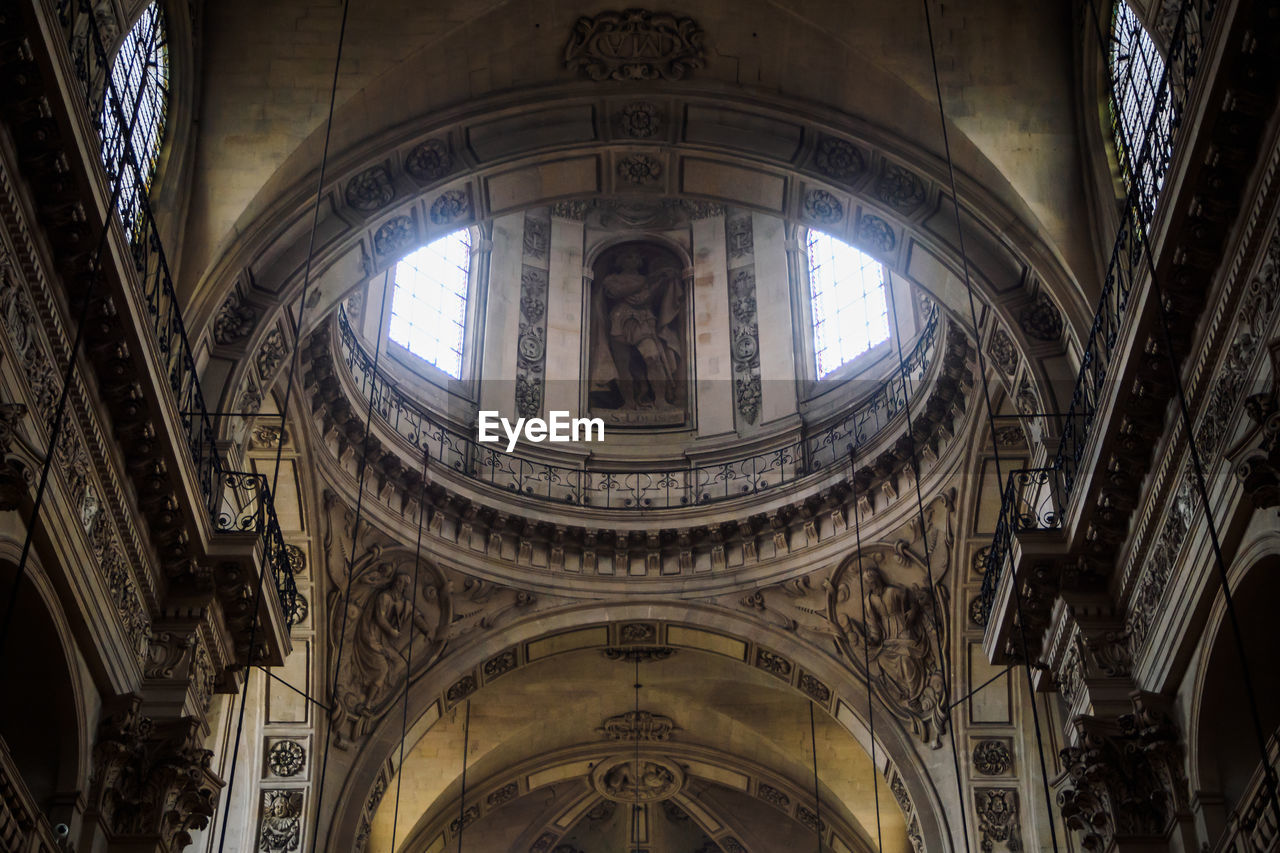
x,y
635,45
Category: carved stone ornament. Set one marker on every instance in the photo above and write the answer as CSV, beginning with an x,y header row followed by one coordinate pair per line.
x,y
643,654
1041,320
635,45
822,207
839,159
370,190
640,170
428,161
235,320
638,725
998,821
395,237
1124,777
992,757
450,206
899,188
875,234
13,485
280,830
639,120
1003,351
884,613
286,758
152,780
625,779
1259,470
388,608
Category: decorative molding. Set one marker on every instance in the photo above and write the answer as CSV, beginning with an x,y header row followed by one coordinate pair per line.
x,y
280,824
993,757
370,190
998,818
638,725
429,161
640,120
744,332
286,758
635,45
1042,320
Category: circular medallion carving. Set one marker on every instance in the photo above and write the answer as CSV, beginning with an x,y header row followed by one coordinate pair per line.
x,y
822,207
648,780
992,757
285,758
429,161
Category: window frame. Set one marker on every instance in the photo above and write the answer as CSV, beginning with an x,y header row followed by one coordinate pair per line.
x,y
1137,78
158,66
440,385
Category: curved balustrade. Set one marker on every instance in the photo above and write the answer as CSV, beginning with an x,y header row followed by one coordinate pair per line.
x,y
637,487
236,501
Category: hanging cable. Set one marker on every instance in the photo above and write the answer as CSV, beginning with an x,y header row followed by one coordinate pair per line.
x,y
351,559
284,415
817,800
636,814
462,800
1138,229
943,650
867,652
986,393
408,666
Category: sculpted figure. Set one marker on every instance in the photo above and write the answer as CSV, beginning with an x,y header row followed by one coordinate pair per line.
x,y
281,828
376,657
642,342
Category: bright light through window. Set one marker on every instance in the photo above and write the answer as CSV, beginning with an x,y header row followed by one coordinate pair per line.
x,y
140,78
846,287
429,303
1141,111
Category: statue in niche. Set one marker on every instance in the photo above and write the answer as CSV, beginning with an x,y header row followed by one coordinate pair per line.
x,y
638,358
385,613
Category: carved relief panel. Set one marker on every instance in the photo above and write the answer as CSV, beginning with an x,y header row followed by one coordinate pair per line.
x,y
638,357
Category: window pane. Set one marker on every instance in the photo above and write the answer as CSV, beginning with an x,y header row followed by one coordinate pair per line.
x,y
850,313
1141,108
133,111
429,302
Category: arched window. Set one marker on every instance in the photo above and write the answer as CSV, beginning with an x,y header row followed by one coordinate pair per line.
x,y
1141,109
847,294
429,302
134,115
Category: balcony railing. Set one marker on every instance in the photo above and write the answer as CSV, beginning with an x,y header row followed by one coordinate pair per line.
x,y
648,488
1037,498
236,501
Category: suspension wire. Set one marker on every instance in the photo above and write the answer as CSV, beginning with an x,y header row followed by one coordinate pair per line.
x,y
1184,416
817,801
68,373
975,691
462,800
866,650
986,393
408,666
351,560
284,415
313,700
943,650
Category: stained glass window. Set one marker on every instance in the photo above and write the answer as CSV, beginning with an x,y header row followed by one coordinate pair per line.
x,y
847,294
135,114
1141,109
429,302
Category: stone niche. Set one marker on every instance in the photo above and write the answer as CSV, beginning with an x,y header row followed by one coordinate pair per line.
x,y
638,357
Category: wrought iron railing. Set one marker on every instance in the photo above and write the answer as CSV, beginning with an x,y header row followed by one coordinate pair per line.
x,y
1023,504
235,500
638,487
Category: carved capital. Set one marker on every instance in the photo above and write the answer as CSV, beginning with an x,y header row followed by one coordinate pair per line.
x,y
152,780
1259,470
1123,778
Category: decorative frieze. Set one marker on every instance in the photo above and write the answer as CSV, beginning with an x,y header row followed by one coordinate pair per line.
x,y
744,331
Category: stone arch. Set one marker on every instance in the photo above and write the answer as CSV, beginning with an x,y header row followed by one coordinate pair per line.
x,y
461,674
1222,750
1019,277
52,750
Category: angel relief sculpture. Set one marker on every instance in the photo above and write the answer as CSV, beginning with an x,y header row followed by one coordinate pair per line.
x,y
896,630
386,612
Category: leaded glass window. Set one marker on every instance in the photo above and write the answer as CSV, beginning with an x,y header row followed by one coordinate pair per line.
x,y
429,302
133,114
1141,109
847,296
